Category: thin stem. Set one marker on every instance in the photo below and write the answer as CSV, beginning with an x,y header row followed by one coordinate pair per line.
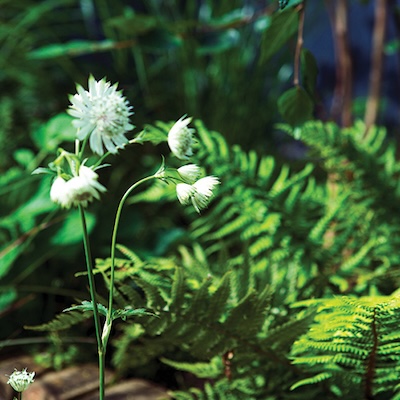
x,y
299,45
80,151
89,266
378,40
342,99
108,323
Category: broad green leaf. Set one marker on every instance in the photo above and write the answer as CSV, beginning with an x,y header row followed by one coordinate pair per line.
x,y
295,106
87,306
38,204
9,253
24,156
283,25
134,24
309,72
71,230
57,130
75,48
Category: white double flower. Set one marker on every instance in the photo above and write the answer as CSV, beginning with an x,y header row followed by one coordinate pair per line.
x,y
79,190
191,189
197,191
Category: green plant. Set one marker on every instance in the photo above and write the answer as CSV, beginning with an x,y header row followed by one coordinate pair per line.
x,y
355,343
101,117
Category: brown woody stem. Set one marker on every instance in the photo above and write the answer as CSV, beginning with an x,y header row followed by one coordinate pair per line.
x,y
299,45
378,38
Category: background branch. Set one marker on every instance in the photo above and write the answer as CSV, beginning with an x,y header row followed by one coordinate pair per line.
x,y
342,97
378,38
299,45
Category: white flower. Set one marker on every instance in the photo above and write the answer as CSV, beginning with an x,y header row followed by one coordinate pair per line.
x,y
180,139
60,194
20,380
85,187
204,190
184,192
189,172
103,113
79,190
199,193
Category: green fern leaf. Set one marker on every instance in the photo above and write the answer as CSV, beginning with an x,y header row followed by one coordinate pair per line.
x,y
62,321
315,379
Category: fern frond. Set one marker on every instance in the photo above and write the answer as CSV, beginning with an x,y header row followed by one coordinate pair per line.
x,y
310,381
349,337
212,369
62,321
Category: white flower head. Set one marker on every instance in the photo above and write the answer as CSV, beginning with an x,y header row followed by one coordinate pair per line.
x,y
184,192
85,187
203,191
79,190
59,193
199,193
180,139
189,173
20,380
103,113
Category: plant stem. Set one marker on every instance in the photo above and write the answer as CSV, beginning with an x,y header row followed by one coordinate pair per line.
x,y
299,45
342,99
378,41
89,266
108,323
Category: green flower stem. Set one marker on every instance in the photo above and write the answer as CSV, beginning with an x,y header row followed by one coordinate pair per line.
x,y
89,265
82,149
107,326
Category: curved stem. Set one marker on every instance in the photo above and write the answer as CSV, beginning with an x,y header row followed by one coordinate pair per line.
x,y
108,323
92,288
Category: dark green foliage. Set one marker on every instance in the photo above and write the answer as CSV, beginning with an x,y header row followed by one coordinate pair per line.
x,y
292,231
204,318
219,308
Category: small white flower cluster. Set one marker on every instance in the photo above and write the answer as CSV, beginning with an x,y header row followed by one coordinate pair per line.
x,y
101,116
191,188
79,190
103,113
20,380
